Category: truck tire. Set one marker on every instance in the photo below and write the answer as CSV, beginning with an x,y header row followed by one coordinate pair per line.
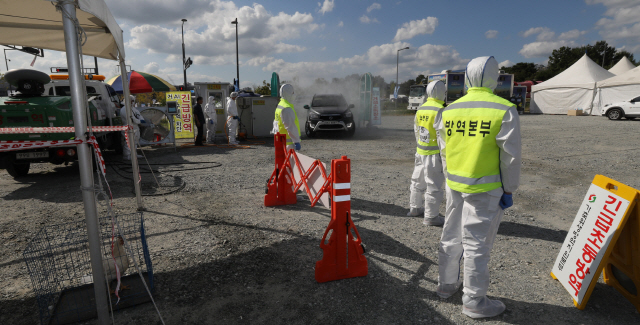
x,y
17,170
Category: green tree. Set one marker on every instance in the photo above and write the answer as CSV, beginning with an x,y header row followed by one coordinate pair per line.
x,y
265,89
420,79
522,71
601,53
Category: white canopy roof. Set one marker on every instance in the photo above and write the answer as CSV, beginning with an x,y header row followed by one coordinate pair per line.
x,y
582,74
628,78
622,66
36,23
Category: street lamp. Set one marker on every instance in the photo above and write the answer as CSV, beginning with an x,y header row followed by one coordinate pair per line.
x,y
184,70
397,61
235,22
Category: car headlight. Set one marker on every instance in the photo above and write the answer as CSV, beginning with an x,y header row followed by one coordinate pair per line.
x,y
314,115
348,114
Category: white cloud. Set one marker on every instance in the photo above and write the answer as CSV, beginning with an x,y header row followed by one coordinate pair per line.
x,y
151,67
491,33
620,25
325,7
366,20
544,33
547,41
374,6
416,27
210,37
506,63
428,57
543,49
572,34
341,24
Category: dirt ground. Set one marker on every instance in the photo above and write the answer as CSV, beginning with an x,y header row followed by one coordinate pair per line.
x,y
221,257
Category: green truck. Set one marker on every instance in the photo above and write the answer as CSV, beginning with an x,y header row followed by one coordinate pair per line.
x,y
29,108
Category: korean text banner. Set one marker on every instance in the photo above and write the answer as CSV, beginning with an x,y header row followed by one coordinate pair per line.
x,y
184,119
587,241
376,114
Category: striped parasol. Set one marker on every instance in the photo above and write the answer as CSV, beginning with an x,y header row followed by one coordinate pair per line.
x,y
141,82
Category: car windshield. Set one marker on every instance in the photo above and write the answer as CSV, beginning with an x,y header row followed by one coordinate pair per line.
x,y
637,99
328,100
417,91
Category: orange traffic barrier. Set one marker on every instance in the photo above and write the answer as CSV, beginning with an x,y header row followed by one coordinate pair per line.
x,y
343,253
280,184
341,258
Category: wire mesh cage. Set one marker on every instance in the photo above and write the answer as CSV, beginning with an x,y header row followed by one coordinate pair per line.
x,y
59,265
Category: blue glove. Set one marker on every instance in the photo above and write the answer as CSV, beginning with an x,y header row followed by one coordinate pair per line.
x,y
236,117
143,121
210,121
297,144
506,201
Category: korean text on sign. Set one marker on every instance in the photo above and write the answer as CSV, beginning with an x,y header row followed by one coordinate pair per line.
x,y
588,239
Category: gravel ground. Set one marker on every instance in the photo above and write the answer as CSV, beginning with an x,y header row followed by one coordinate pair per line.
x,y
221,257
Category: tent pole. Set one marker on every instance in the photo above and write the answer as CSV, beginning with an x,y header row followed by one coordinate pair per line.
x,y
132,146
84,159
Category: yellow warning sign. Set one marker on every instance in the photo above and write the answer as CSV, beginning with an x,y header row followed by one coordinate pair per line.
x,y
184,119
594,243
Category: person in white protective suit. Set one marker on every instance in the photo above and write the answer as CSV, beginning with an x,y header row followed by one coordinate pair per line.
x,y
136,119
232,117
286,119
427,178
480,145
210,114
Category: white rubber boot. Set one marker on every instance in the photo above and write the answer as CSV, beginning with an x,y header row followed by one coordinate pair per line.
x,y
414,212
481,307
447,290
434,221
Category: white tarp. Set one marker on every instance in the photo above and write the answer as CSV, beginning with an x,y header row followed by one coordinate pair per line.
x,y
36,23
616,89
573,88
622,66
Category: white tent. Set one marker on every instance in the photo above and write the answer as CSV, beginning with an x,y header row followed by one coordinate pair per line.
x,y
622,66
616,89
36,23
573,88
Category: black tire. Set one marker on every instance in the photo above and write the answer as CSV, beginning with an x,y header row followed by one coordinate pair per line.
x,y
307,130
117,142
17,170
614,114
351,132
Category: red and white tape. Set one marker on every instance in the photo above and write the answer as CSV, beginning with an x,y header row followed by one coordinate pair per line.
x,y
66,129
94,142
20,145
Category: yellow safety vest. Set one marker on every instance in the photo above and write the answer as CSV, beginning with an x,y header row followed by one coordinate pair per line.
x,y
427,142
471,125
282,105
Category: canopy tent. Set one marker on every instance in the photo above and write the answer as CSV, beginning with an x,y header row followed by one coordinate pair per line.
x,y
616,89
622,66
573,88
57,25
36,23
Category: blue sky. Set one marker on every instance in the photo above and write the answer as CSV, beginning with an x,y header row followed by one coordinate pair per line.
x,y
305,40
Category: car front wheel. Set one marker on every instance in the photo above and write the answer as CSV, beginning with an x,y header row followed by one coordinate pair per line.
x,y
307,130
614,114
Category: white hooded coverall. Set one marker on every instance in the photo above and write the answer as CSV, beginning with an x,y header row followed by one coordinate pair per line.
x,y
427,177
288,117
472,219
211,120
232,123
136,118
